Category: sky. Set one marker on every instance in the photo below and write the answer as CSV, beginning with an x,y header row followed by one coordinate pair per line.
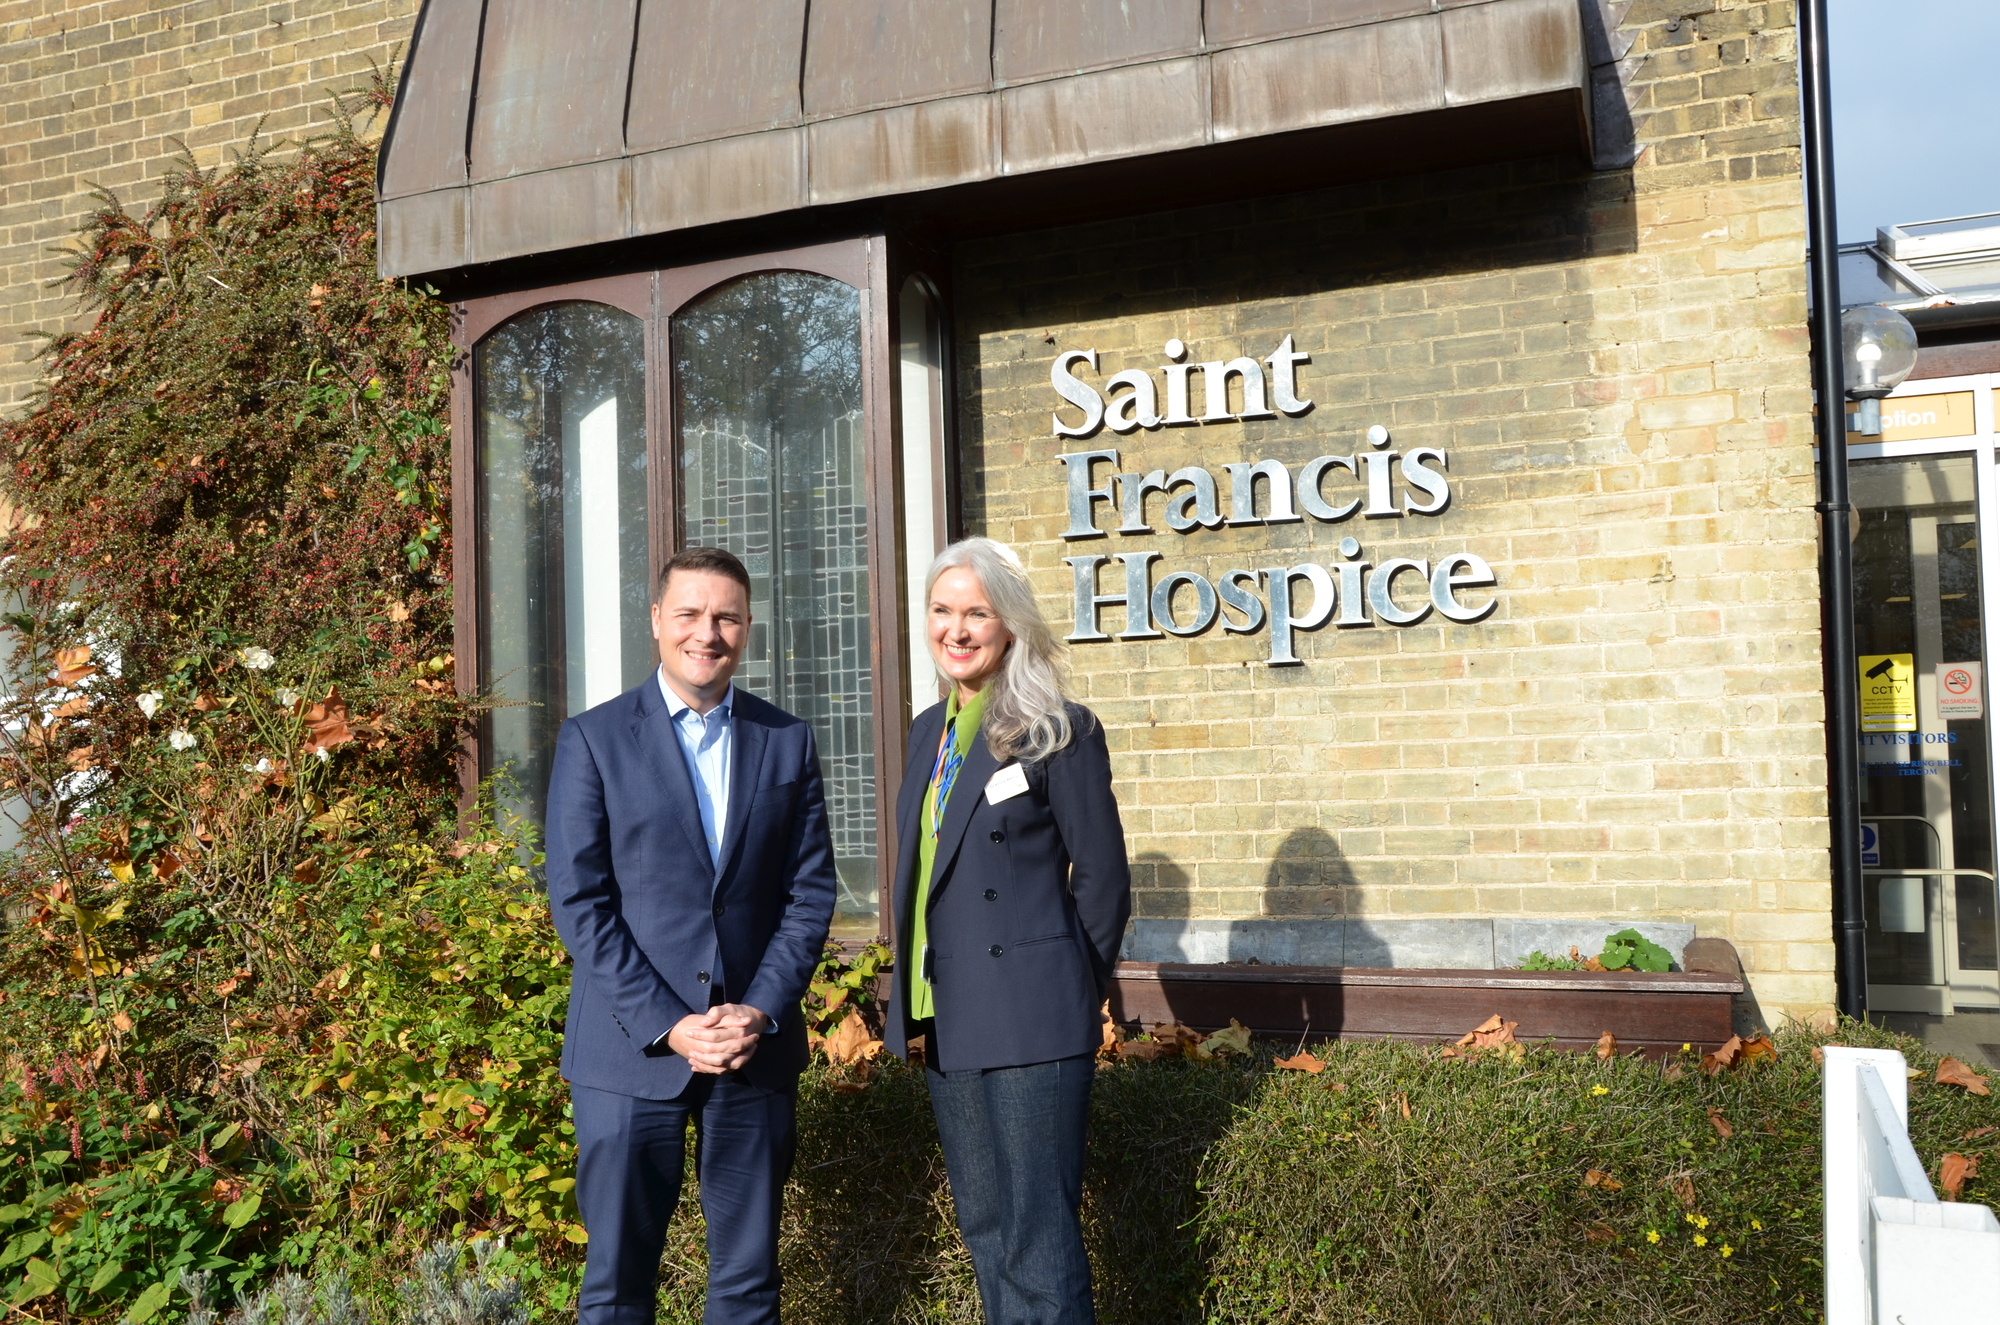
x,y
1916,110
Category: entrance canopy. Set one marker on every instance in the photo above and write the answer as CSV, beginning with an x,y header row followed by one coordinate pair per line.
x,y
525,127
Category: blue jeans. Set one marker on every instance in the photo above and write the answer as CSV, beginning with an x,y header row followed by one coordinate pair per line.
x,y
1013,1141
628,1178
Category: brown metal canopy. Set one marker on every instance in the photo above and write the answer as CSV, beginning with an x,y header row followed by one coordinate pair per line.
x,y
525,126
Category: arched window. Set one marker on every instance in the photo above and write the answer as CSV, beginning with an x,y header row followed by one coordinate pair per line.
x,y
563,530
769,414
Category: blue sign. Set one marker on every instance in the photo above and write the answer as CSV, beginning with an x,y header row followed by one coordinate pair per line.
x,y
1871,846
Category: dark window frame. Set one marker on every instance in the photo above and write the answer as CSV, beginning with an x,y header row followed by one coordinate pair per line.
x,y
876,268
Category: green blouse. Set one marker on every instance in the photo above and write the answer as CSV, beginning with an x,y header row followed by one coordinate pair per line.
x,y
961,728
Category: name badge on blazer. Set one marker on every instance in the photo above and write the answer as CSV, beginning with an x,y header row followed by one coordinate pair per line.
x,y
1009,782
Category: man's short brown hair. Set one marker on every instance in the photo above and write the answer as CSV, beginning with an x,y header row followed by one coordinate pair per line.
x,y
713,560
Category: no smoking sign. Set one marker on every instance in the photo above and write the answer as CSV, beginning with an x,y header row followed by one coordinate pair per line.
x,y
1958,694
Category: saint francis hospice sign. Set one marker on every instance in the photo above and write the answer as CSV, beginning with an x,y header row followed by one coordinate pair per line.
x,y
1375,482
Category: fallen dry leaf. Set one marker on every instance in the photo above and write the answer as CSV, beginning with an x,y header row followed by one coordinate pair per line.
x,y
82,757
1819,1057
71,665
1672,1072
1723,1057
122,1021
1302,1062
326,724
849,1042
1403,1102
1145,1051
1954,1171
1492,1035
1683,1185
1758,1049
1978,1132
1600,1179
857,1077
1720,1123
1951,1072
399,611
1114,1034
227,987
71,708
1599,1234
1235,1040
1607,1045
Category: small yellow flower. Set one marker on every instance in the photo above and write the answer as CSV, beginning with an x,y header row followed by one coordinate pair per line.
x,y
1600,1090
1757,1225
1652,1235
1686,1047
1727,1251
1700,1241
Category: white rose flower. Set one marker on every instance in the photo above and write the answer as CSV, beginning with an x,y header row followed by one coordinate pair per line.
x,y
287,699
149,703
181,738
256,659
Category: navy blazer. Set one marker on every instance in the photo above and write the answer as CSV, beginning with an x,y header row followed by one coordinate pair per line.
x,y
1028,902
652,926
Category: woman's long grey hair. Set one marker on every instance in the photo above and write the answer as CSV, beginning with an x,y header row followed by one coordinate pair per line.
x,y
1025,715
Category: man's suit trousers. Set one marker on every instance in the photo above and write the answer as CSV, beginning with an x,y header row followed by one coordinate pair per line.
x,y
630,1159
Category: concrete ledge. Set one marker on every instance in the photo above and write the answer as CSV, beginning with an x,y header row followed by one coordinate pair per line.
x,y
1472,945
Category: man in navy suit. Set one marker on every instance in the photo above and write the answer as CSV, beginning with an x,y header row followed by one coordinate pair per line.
x,y
691,875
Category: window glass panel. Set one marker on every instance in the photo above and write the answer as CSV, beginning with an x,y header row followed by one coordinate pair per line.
x,y
1927,824
767,375
564,620
922,381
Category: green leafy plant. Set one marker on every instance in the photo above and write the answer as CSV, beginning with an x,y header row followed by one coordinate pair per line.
x,y
846,980
1541,961
1628,948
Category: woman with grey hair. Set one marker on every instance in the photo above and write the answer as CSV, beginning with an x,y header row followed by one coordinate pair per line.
x,y
1012,896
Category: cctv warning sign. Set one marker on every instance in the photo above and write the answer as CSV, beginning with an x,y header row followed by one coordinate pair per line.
x,y
1888,692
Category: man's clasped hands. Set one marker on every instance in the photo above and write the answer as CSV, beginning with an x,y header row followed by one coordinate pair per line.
x,y
719,1040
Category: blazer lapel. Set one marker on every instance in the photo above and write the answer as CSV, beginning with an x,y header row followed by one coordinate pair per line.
x,y
660,750
746,764
910,808
966,791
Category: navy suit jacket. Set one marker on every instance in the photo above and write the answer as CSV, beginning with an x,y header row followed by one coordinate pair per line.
x,y
653,927
1028,902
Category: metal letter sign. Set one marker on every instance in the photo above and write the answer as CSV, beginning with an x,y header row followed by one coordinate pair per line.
x,y
1375,482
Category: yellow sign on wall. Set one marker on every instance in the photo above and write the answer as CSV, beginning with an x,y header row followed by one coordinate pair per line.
x,y
1919,418
1888,692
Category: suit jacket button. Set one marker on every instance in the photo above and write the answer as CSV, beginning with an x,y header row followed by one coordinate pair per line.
x,y
991,895
719,909
999,836
995,950
701,976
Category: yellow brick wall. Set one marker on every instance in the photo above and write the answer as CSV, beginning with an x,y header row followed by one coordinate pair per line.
x,y
1616,365
104,94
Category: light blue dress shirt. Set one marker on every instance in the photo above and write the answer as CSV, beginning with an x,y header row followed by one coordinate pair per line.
x,y
706,745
